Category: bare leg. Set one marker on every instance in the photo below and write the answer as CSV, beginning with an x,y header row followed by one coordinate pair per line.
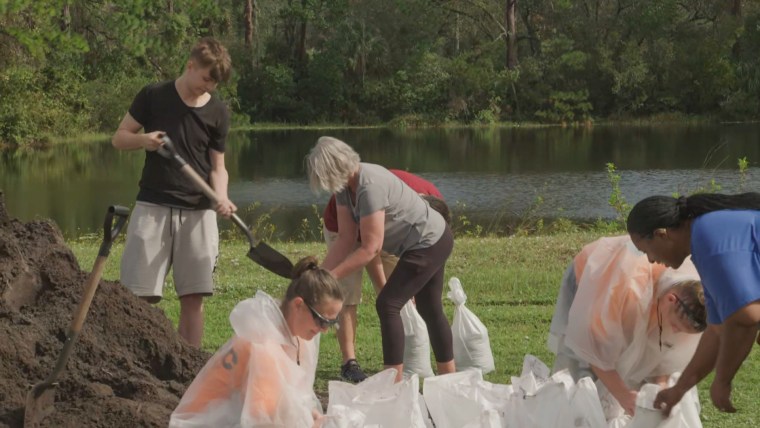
x,y
447,367
191,319
347,332
399,371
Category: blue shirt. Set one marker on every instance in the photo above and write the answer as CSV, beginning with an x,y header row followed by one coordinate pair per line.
x,y
725,248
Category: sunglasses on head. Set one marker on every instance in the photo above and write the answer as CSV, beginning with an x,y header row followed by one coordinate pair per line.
x,y
321,321
698,325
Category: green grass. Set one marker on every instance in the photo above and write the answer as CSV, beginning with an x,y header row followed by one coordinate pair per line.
x,y
511,285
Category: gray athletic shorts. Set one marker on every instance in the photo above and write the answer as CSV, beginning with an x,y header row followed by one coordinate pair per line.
x,y
160,238
351,285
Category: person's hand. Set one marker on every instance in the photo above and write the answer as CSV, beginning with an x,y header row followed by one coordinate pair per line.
x,y
152,140
720,393
628,402
667,398
319,418
225,208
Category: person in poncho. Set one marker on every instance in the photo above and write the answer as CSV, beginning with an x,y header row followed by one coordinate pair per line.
x,y
624,321
264,375
721,234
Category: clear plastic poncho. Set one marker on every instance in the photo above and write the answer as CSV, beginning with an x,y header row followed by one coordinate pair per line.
x,y
613,323
263,376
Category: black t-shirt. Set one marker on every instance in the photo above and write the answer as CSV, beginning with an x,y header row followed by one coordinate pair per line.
x,y
193,130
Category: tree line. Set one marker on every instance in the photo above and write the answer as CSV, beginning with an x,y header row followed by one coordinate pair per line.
x,y
72,66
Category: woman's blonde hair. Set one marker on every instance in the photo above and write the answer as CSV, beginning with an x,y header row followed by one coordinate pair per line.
x,y
691,302
312,283
329,165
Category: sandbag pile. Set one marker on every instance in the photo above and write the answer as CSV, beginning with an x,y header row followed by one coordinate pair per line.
x,y
535,399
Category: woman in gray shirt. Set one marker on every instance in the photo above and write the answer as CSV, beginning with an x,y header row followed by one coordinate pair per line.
x,y
383,212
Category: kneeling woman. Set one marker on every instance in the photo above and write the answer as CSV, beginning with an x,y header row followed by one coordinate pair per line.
x,y
264,375
625,321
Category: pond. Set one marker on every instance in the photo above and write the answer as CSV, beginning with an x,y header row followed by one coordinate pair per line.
x,y
492,176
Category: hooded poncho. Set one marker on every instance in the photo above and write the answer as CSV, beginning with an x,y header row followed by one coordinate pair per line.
x,y
612,323
263,376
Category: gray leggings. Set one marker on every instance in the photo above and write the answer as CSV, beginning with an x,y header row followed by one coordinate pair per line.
x,y
418,274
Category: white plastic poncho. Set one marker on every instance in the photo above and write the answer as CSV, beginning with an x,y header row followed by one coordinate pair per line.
x,y
263,376
612,323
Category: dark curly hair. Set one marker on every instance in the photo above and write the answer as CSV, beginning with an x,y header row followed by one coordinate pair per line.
x,y
657,212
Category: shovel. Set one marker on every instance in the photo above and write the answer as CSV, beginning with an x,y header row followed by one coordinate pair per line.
x,y
39,401
261,253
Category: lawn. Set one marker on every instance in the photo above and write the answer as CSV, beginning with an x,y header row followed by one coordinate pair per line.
x,y
511,285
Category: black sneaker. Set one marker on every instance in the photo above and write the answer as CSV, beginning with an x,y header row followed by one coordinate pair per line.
x,y
351,372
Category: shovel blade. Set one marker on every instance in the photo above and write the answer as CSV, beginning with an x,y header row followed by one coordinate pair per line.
x,y
39,404
271,260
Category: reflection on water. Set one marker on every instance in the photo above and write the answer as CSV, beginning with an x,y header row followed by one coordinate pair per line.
x,y
489,175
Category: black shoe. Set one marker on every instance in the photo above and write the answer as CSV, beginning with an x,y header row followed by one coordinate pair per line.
x,y
351,372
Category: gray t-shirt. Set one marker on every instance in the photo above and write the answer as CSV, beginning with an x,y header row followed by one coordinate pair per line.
x,y
410,223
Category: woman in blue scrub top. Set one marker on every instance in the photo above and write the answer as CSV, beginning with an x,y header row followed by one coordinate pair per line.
x,y
722,234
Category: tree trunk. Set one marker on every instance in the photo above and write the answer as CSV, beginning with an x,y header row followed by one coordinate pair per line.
x,y
511,35
736,8
248,22
301,46
66,18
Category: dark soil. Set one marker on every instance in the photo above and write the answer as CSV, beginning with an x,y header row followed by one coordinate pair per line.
x,y
129,367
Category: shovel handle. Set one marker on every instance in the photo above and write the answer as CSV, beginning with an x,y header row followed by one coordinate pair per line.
x,y
168,151
244,228
110,231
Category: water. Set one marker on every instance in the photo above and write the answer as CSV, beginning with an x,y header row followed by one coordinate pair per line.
x,y
492,176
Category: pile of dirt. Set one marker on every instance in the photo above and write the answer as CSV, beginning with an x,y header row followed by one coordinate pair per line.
x,y
129,367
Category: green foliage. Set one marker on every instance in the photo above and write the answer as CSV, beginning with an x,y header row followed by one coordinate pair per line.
x,y
310,229
566,107
407,62
743,167
110,99
461,225
40,103
712,186
268,93
617,200
323,89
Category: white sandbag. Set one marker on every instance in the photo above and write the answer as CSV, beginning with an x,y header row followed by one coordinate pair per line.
x,y
545,406
645,415
464,399
522,402
687,411
534,374
584,410
416,343
384,403
451,398
488,419
472,347
344,417
683,415
425,413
